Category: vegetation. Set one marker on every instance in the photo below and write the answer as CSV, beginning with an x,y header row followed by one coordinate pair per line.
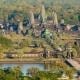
x,y
65,9
40,75
34,74
5,42
49,39
8,73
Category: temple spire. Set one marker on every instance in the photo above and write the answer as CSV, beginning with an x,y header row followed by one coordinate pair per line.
x,y
43,15
32,18
20,28
55,19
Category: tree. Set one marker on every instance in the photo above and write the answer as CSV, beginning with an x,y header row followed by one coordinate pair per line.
x,y
5,44
33,71
2,74
79,17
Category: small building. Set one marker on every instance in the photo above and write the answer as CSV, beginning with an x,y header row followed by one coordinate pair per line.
x,y
50,54
47,54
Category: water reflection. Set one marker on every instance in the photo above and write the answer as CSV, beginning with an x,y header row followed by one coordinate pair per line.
x,y
45,66
24,67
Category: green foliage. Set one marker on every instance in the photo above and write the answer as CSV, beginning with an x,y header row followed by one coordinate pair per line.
x,y
10,74
79,17
33,71
5,42
43,75
65,10
38,75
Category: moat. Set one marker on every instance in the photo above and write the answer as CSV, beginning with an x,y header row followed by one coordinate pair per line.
x,y
24,67
54,65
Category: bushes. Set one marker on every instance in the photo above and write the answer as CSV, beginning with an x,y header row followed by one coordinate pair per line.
x,y
38,75
10,74
5,42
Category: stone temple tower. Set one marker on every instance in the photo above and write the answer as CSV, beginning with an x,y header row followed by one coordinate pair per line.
x,y
43,14
20,27
32,21
55,19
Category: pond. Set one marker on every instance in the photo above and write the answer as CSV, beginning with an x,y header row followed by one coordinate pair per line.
x,y
24,67
55,66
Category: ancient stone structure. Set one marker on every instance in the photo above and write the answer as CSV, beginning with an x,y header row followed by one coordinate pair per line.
x,y
43,14
32,18
55,18
62,21
20,27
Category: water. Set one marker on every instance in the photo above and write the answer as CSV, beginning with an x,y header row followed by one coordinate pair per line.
x,y
24,67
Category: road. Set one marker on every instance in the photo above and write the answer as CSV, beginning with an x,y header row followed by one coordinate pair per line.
x,y
74,63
